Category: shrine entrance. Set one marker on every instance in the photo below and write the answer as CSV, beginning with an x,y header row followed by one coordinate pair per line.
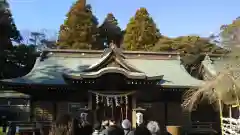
x,y
110,80
112,105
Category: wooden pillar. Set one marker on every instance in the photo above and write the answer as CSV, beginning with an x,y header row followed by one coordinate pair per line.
x,y
32,108
133,111
55,110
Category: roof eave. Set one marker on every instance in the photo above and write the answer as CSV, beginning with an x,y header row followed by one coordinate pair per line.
x,y
181,86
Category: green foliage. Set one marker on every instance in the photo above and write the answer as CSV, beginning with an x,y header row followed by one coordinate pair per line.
x,y
141,32
164,44
79,30
193,49
36,38
3,5
230,34
1,133
187,44
17,61
8,29
110,31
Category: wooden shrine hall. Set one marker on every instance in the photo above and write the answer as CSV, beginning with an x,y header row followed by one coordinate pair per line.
x,y
110,83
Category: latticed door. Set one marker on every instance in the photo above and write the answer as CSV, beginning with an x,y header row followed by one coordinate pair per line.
x,y
43,111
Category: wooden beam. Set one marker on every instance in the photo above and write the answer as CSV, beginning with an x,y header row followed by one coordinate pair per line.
x,y
32,107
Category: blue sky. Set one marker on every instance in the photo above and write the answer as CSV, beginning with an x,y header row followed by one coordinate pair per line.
x,y
173,17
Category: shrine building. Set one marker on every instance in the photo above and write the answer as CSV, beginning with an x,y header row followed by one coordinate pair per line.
x,y
110,83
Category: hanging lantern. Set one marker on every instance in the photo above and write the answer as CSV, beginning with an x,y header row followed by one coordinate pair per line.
x,y
139,115
139,118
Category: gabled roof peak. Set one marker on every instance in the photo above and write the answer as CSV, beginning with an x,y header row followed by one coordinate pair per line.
x,y
110,56
112,46
115,50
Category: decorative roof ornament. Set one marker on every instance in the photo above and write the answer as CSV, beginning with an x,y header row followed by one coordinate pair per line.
x,y
116,49
44,55
112,46
208,65
208,59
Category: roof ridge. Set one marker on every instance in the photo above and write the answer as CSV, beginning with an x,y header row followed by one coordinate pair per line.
x,y
123,51
101,51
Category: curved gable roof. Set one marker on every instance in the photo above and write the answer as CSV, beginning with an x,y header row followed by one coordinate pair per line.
x,y
48,71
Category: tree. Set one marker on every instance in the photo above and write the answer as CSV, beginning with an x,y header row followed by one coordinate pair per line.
x,y
47,43
192,44
193,49
8,33
8,29
141,32
79,30
36,38
230,34
40,41
230,39
164,44
18,61
110,31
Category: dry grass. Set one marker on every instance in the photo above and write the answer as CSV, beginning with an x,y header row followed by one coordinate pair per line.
x,y
225,86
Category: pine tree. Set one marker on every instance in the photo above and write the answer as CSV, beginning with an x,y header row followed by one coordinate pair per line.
x,y
110,31
8,29
79,30
141,32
